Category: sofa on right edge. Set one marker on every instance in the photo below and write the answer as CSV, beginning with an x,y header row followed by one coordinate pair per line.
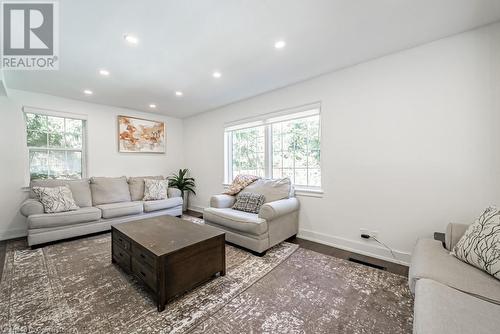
x,y
451,296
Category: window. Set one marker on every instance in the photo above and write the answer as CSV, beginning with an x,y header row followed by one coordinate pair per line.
x,y
56,146
280,145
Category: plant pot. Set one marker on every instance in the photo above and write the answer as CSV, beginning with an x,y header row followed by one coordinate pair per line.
x,y
185,200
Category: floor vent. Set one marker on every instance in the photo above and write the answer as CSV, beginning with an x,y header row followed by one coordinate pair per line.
x,y
367,264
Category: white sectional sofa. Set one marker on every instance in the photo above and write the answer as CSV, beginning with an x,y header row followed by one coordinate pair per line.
x,y
451,296
103,201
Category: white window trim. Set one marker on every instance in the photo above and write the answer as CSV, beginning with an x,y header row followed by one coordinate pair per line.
x,y
55,113
267,120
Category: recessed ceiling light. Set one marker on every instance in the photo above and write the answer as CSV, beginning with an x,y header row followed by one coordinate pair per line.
x,y
88,92
178,93
131,39
152,106
216,74
280,44
104,73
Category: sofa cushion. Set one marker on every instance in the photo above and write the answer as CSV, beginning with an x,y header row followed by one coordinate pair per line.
x,y
162,204
46,220
431,260
55,199
107,190
113,210
249,202
155,189
441,309
479,246
79,188
236,220
239,183
136,186
272,190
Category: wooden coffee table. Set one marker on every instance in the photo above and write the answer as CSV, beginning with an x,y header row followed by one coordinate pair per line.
x,y
169,255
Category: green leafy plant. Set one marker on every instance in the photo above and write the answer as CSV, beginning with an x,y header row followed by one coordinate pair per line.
x,y
181,182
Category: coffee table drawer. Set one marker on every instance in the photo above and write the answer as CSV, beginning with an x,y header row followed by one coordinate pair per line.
x,y
121,256
121,240
143,256
144,273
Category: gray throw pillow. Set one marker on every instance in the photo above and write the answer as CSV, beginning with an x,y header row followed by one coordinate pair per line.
x,y
55,199
480,244
155,189
249,202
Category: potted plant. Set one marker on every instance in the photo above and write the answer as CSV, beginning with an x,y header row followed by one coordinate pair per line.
x,y
184,184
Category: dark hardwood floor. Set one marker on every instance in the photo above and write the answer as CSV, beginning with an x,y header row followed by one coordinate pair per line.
x,y
354,257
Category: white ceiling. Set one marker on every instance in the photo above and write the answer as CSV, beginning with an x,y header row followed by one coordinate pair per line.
x,y
183,42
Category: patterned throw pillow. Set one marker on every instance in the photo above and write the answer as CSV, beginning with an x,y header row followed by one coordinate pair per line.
x,y
155,189
249,202
55,199
239,183
480,245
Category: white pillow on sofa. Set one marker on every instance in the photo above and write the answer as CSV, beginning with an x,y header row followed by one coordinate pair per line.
x,y
155,189
55,199
480,244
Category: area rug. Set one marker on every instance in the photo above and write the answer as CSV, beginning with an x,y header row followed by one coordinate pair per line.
x,y
72,287
316,293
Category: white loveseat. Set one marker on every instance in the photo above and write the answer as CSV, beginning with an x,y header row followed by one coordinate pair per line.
x,y
103,201
277,220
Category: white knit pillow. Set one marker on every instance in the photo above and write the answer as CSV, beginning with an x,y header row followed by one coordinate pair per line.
x,y
55,199
480,245
155,189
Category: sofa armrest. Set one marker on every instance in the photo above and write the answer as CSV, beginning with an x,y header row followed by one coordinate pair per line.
x,y
222,201
272,210
174,192
31,207
453,233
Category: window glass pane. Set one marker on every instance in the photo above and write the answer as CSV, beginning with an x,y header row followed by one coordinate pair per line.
x,y
314,177
57,134
56,139
248,151
73,140
38,165
301,176
37,139
56,124
74,165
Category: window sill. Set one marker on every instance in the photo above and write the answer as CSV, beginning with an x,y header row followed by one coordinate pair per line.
x,y
301,192
305,192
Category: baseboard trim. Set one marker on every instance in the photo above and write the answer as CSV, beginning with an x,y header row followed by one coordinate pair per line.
x,y
196,208
13,234
356,247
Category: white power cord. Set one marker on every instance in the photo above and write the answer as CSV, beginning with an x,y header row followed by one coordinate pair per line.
x,y
389,248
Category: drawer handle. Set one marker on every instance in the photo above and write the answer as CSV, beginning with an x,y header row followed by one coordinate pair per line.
x,y
121,254
143,256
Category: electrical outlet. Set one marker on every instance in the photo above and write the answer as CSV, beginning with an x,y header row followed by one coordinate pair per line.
x,y
363,231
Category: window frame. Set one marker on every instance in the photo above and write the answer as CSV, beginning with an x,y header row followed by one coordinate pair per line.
x,y
64,115
267,121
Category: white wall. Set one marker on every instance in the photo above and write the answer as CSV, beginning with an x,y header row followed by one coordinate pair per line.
x,y
410,142
102,149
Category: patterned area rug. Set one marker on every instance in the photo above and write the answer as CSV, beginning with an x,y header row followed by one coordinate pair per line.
x,y
72,287
315,293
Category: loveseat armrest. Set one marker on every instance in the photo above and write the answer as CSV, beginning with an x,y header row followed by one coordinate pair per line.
x,y
454,232
31,207
222,201
174,192
273,210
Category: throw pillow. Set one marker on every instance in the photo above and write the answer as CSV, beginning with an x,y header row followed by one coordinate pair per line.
x,y
155,189
249,202
480,245
239,183
55,199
